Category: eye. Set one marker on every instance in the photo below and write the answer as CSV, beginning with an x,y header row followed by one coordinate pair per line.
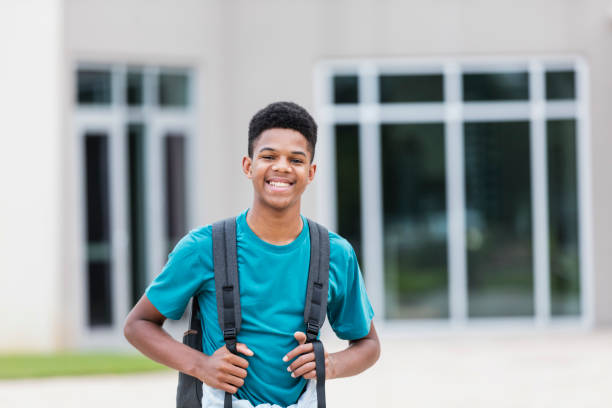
x,y
299,161
267,157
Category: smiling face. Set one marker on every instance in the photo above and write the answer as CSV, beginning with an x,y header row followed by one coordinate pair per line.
x,y
280,168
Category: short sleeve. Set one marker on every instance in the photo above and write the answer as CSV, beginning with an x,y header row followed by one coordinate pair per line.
x,y
184,274
348,309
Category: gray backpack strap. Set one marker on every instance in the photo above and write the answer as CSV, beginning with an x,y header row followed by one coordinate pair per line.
x,y
227,285
316,300
318,280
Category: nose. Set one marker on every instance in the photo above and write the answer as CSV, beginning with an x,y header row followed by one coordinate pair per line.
x,y
282,164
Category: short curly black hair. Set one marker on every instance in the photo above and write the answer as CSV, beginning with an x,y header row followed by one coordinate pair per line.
x,y
285,115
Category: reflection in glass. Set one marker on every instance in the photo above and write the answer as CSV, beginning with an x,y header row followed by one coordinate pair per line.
x,y
176,193
499,226
137,208
173,90
415,230
348,185
97,213
134,88
496,86
346,89
563,217
93,87
560,85
411,88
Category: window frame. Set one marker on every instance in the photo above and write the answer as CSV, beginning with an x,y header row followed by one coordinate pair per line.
x,y
113,120
453,112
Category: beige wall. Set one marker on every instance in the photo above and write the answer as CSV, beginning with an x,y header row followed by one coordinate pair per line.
x,y
248,53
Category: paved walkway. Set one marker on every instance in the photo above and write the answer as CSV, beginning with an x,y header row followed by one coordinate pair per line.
x,y
560,369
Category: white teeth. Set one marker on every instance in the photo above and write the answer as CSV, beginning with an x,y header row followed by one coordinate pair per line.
x,y
278,184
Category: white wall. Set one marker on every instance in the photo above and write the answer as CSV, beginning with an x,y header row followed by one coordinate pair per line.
x,y
30,108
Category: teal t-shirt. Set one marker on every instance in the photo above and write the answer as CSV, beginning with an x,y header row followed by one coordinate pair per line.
x,y
273,282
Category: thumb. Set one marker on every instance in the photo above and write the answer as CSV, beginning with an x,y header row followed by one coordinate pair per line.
x,y
243,349
300,337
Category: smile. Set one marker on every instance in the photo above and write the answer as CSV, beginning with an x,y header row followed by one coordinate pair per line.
x,y
277,185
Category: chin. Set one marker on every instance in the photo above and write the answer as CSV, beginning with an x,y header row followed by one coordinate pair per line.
x,y
278,205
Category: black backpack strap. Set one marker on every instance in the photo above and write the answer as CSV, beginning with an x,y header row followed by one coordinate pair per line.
x,y
316,300
189,389
227,285
194,323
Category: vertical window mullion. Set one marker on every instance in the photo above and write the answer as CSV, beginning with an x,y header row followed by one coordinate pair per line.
x,y
371,191
120,228
539,196
455,194
154,174
585,204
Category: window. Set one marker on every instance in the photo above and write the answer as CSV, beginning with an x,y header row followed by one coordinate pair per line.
x,y
135,126
457,183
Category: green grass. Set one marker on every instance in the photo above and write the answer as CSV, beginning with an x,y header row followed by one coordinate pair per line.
x,y
73,364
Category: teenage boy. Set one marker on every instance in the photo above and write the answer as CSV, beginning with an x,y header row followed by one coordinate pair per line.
x,y
273,251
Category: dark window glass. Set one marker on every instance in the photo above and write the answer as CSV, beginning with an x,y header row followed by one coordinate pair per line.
x,y
99,291
93,87
560,85
348,185
176,191
415,226
411,88
173,90
563,217
97,209
136,167
496,86
499,226
346,89
134,88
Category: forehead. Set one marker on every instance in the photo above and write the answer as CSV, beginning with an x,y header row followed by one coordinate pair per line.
x,y
281,140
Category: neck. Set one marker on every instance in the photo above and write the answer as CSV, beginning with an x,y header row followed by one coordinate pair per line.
x,y
274,226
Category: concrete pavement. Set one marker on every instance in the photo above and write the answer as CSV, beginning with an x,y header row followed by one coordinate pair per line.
x,y
559,369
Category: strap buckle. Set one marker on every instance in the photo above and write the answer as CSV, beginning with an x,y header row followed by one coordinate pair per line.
x,y
229,334
312,327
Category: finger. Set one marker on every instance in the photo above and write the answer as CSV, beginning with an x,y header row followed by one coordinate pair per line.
x,y
301,349
235,371
311,375
243,349
228,388
238,361
300,337
232,380
300,361
304,369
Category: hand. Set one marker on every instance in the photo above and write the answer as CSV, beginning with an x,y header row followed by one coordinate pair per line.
x,y
224,370
305,364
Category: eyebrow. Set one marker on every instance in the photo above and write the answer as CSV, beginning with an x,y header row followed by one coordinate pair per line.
x,y
274,150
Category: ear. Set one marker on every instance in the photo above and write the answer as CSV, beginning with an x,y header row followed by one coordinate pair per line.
x,y
247,168
311,172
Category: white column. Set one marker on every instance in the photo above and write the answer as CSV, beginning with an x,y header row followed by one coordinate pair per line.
x,y
31,153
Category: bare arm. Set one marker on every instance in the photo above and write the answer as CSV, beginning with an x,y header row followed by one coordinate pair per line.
x,y
357,357
223,370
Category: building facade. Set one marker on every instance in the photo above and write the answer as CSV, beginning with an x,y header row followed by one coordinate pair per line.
x,y
463,151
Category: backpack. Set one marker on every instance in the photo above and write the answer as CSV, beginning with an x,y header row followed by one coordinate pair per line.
x,y
189,390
